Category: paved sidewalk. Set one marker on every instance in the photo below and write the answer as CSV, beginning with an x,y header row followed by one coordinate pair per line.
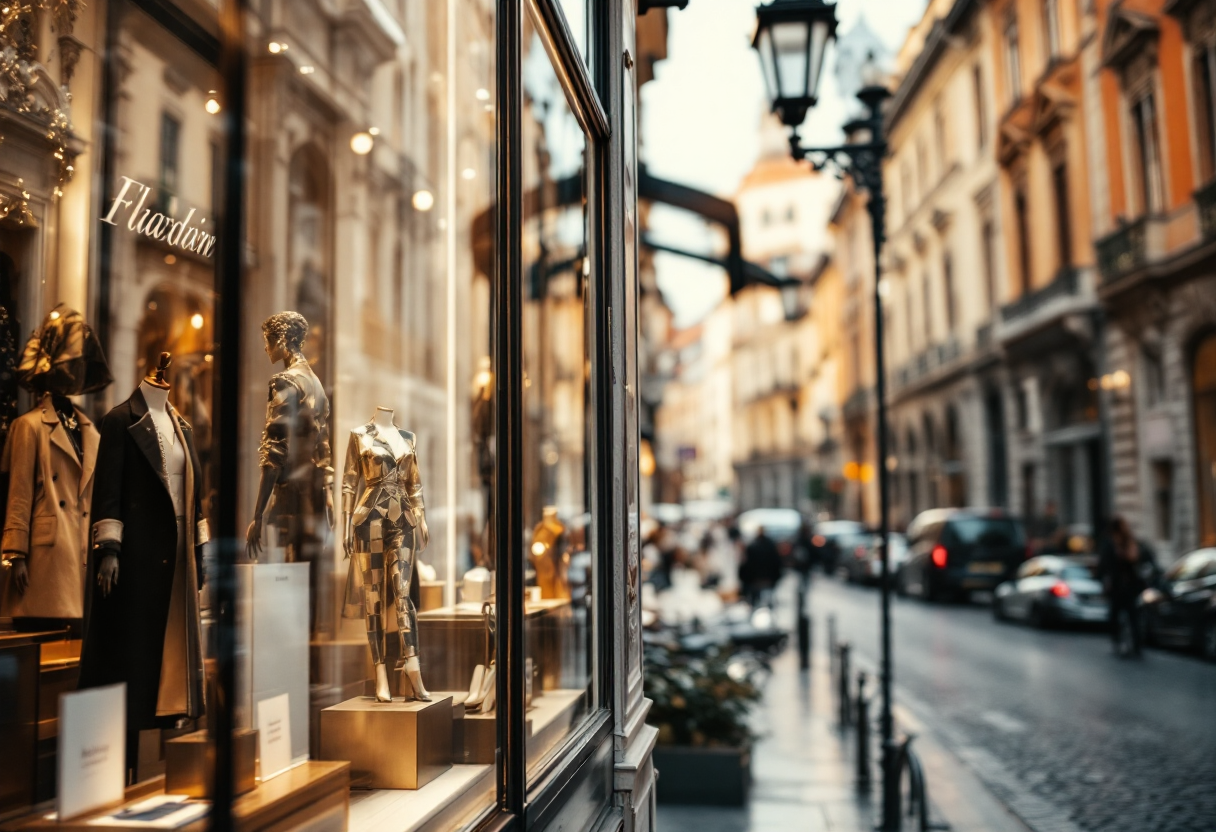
x,y
803,768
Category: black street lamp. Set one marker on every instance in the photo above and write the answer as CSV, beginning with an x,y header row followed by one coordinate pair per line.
x,y
792,37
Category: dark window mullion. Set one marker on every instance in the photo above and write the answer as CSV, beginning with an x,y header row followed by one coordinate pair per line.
x,y
568,62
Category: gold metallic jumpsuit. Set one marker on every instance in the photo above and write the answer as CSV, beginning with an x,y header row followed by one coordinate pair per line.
x,y
381,507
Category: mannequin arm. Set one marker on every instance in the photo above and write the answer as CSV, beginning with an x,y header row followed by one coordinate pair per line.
x,y
20,573
253,537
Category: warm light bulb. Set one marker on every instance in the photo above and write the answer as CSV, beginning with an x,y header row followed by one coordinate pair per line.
x,y
275,47
212,106
54,316
362,143
483,94
170,259
469,173
375,131
307,70
424,200
538,548
196,320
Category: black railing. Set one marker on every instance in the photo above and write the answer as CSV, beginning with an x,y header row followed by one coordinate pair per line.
x,y
1123,251
1065,285
1205,202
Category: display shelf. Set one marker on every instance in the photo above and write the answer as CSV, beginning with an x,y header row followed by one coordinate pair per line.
x,y
313,795
552,717
457,793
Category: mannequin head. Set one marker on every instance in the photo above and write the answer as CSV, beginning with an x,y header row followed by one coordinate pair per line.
x,y
285,333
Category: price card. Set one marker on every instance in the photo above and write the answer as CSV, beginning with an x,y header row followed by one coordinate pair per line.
x,y
274,735
92,749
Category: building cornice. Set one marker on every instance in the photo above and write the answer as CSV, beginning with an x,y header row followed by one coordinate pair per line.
x,y
939,40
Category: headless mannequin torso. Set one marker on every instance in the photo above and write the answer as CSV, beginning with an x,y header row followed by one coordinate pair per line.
x,y
173,455
388,433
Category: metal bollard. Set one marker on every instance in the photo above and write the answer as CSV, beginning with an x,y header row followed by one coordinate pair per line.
x,y
845,703
804,626
863,735
832,646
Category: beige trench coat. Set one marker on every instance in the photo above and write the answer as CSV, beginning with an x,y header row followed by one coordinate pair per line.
x,y
50,491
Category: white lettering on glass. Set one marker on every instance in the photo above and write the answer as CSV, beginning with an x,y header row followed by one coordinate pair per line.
x,y
158,226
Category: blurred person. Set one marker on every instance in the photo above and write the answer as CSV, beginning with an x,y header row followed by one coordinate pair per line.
x,y
761,568
807,552
1126,567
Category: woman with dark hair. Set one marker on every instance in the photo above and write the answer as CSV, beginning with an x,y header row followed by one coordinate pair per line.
x,y
1126,567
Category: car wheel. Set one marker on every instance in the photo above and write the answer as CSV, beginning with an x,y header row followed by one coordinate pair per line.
x,y
1207,643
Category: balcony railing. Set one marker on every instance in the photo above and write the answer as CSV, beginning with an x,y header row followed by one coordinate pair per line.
x,y
1065,285
935,356
1123,251
1205,202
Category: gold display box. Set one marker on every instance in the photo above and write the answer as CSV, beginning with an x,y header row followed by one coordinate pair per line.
x,y
190,763
390,745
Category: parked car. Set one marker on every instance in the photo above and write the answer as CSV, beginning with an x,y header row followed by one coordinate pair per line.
x,y
828,535
956,551
1181,610
1050,590
780,524
863,563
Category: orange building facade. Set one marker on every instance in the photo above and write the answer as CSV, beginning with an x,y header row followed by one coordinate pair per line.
x,y
1154,223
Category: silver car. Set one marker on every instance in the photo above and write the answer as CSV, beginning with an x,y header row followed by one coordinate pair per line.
x,y
1051,590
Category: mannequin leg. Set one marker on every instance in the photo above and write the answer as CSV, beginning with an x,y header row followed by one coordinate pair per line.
x,y
401,571
372,566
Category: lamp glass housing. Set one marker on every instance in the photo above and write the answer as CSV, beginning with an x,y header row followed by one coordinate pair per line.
x,y
791,40
791,299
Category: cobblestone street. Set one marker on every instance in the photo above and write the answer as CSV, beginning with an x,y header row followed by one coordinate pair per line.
x,y
1065,734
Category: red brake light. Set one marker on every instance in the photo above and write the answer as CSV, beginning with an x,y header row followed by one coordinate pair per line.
x,y
819,540
1060,590
939,556
859,552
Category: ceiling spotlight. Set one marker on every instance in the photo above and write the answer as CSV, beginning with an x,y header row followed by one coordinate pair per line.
x,y
196,320
469,173
483,94
307,70
275,47
362,143
212,106
170,259
375,131
424,200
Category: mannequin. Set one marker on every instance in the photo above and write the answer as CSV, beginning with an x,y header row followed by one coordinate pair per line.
x,y
144,623
51,455
297,474
550,555
384,529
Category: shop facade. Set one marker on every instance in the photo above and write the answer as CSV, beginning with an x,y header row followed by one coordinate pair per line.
x,y
417,495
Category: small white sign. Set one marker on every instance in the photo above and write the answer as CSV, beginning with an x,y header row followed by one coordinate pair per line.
x,y
92,749
274,735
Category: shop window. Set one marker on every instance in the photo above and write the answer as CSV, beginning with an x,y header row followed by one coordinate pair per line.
x,y
559,424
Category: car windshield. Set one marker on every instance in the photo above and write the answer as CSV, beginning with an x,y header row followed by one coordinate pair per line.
x,y
1191,566
987,531
1075,573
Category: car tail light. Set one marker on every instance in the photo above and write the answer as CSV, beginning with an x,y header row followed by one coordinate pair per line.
x,y
819,540
859,552
939,556
1060,590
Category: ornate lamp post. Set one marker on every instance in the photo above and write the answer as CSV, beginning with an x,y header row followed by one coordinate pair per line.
x,y
791,38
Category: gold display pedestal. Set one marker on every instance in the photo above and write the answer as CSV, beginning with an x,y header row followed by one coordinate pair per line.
x,y
190,763
390,745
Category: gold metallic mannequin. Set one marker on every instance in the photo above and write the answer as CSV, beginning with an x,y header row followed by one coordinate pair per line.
x,y
550,555
384,529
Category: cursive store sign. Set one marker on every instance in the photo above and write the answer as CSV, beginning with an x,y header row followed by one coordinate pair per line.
x,y
177,233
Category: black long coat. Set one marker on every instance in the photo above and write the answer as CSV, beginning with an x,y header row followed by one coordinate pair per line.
x,y
125,631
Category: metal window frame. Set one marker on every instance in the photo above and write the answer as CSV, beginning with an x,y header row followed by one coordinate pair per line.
x,y
587,85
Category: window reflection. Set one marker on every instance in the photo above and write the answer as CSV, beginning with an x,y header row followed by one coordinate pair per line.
x,y
556,498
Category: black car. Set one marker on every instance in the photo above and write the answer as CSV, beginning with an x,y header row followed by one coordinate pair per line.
x,y
956,551
1181,610
829,535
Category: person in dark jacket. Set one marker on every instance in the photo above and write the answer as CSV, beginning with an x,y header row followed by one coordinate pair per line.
x,y
761,568
1126,568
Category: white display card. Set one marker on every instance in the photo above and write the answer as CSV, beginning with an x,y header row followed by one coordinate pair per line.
x,y
92,749
274,735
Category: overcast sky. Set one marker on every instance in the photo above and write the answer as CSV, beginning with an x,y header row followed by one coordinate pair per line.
x,y
701,120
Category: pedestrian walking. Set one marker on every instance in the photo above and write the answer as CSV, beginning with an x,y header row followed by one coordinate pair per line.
x,y
1126,567
761,569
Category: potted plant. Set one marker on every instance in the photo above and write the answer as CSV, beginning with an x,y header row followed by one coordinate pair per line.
x,y
701,706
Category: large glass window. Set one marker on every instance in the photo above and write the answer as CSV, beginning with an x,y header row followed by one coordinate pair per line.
x,y
559,424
